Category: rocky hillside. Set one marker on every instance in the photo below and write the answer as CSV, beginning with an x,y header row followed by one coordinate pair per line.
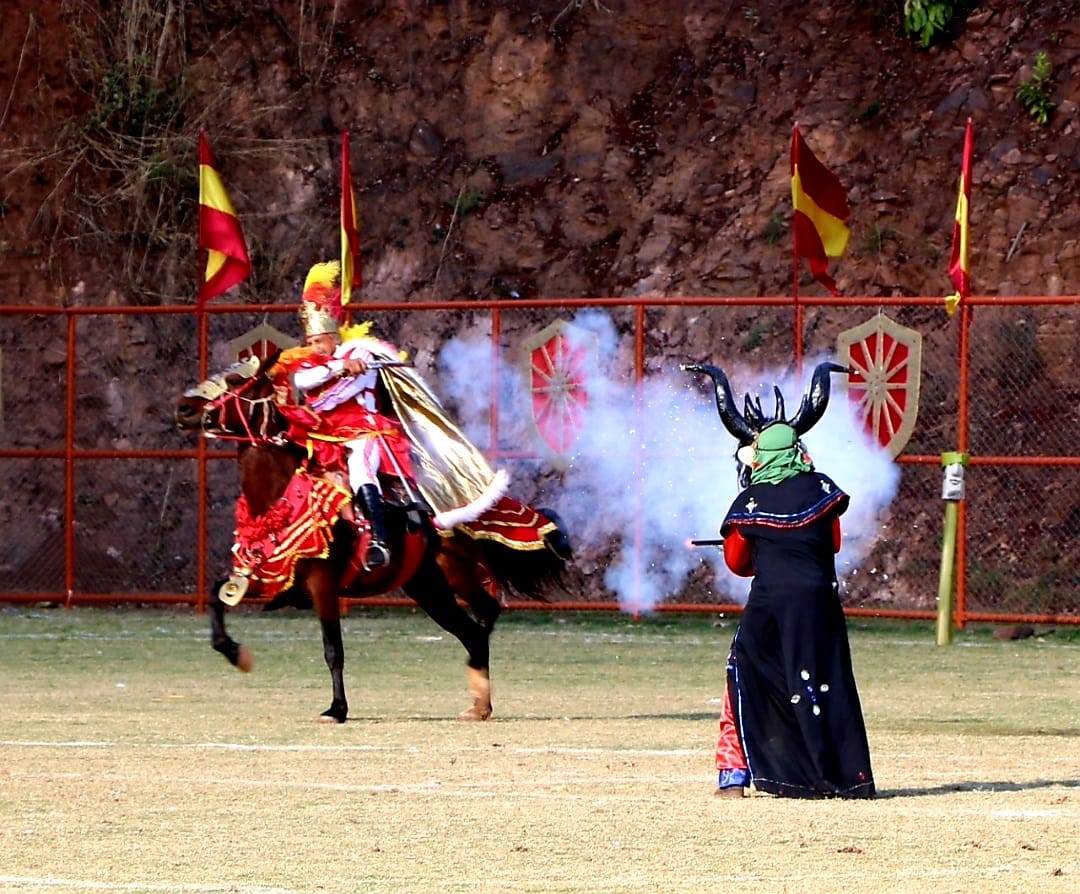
x,y
531,148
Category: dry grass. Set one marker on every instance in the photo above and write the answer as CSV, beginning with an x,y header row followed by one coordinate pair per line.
x,y
134,759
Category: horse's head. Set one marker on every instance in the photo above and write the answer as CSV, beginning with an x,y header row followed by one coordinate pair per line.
x,y
747,425
235,403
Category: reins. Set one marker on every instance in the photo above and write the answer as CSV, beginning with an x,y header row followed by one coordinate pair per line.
x,y
247,409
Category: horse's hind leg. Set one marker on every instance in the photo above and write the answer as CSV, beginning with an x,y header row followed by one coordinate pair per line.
x,y
237,655
486,610
433,594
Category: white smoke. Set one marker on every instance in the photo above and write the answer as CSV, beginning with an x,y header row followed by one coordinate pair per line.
x,y
654,467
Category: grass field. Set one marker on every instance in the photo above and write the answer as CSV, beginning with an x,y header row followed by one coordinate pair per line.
x,y
134,759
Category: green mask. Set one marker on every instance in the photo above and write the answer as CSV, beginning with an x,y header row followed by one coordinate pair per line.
x,y
778,456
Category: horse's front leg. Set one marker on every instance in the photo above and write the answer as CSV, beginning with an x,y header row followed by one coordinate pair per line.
x,y
237,655
322,587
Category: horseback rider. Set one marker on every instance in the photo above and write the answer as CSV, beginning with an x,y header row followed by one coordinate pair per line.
x,y
339,421
364,411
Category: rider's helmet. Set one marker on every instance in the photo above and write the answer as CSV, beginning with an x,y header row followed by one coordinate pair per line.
x,y
321,311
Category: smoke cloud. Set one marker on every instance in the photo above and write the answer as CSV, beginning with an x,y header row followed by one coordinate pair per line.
x,y
654,467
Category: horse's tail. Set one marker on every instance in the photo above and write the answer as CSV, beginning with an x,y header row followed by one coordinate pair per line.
x,y
532,573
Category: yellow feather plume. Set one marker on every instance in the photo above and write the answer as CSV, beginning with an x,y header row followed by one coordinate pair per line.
x,y
356,330
322,276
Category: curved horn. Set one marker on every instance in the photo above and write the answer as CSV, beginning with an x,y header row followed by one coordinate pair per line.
x,y
779,414
816,398
754,415
725,402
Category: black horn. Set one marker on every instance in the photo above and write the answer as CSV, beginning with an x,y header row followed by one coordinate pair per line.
x,y
816,398
755,415
733,420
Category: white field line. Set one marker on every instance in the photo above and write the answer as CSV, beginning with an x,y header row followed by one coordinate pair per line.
x,y
527,789
705,882
345,749
74,884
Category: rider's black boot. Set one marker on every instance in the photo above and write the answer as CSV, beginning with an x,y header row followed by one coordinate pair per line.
x,y
371,502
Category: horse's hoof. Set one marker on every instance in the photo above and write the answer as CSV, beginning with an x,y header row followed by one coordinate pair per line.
x,y
245,661
336,713
480,687
476,713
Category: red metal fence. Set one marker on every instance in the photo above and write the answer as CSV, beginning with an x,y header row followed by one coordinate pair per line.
x,y
103,501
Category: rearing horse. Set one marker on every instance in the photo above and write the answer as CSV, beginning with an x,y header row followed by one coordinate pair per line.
x,y
433,568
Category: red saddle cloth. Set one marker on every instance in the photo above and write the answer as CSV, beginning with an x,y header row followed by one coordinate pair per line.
x,y
297,526
512,524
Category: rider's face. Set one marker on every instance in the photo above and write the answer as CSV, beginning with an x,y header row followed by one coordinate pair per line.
x,y
324,343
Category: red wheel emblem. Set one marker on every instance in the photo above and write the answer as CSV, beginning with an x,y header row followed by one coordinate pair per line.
x,y
560,360
887,362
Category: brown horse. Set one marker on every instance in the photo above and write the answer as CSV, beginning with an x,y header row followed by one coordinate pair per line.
x,y
433,569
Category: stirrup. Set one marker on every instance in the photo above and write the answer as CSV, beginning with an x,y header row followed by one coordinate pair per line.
x,y
377,556
233,590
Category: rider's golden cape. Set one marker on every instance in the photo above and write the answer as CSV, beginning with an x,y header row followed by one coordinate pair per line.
x,y
452,474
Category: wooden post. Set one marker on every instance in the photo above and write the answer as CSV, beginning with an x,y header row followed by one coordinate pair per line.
x,y
952,492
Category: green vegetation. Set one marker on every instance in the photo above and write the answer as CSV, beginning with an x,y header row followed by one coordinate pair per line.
x,y
1034,94
774,228
869,112
929,20
130,152
875,237
130,101
470,199
755,338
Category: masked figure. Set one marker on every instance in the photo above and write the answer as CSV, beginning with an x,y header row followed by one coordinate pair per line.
x,y
791,723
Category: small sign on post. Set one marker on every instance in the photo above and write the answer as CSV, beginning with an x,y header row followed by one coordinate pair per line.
x,y
952,492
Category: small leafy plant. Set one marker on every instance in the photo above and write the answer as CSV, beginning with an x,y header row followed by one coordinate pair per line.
x,y
929,19
1034,95
774,228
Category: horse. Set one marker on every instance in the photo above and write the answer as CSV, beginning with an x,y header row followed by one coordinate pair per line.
x,y
438,570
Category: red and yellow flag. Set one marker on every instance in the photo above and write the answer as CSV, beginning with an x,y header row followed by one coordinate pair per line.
x,y
961,236
350,231
221,240
821,211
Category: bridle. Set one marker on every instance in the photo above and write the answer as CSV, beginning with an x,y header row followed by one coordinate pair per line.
x,y
255,413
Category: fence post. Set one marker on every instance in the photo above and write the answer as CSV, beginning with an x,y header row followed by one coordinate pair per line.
x,y
952,492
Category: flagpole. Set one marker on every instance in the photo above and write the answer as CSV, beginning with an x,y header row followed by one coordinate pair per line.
x,y
202,525
798,311
798,306
952,586
223,262
795,283
203,330
795,269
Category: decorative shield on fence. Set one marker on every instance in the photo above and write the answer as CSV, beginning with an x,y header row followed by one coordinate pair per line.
x,y
559,362
262,341
887,362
